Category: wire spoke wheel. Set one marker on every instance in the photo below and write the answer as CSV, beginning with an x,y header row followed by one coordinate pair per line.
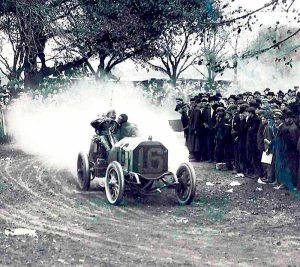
x,y
83,171
114,183
186,188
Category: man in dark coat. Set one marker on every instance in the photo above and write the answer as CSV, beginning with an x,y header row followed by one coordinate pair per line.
x,y
209,117
195,132
291,141
183,110
220,136
253,157
241,138
126,129
223,149
279,147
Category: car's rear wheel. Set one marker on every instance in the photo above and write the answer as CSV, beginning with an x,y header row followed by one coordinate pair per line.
x,y
114,183
186,188
83,171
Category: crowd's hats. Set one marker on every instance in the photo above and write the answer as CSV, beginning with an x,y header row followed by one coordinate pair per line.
x,y
221,104
270,94
260,112
277,113
204,100
251,110
243,107
220,109
232,107
267,90
178,99
232,97
178,106
257,93
280,93
198,100
274,102
290,90
253,104
213,98
240,102
192,99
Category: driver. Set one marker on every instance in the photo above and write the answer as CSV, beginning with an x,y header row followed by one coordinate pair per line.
x,y
126,129
100,144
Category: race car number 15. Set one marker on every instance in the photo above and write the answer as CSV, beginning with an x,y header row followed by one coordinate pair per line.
x,y
151,160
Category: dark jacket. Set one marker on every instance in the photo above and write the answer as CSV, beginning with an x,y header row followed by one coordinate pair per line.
x,y
127,129
260,137
252,126
195,129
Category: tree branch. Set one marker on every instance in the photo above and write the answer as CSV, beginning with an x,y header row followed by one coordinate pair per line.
x,y
270,47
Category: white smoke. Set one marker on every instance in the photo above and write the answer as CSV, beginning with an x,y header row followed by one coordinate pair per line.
x,y
57,129
256,75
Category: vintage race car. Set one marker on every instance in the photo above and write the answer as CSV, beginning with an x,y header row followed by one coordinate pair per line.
x,y
134,164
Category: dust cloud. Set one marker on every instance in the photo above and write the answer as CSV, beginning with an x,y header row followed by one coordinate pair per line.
x,y
56,129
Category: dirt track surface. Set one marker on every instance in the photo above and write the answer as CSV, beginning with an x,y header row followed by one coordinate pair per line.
x,y
244,228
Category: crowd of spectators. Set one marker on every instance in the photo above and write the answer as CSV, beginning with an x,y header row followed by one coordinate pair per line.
x,y
251,134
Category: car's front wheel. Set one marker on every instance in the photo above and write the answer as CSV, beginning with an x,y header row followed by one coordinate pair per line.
x,y
114,183
186,188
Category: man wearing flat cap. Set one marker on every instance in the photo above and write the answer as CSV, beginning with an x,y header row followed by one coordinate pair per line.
x,y
278,147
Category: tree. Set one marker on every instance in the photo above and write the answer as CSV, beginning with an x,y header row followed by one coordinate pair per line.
x,y
214,54
11,68
36,22
113,31
270,48
173,50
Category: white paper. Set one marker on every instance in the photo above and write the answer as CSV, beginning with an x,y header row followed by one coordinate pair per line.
x,y
235,183
20,231
266,158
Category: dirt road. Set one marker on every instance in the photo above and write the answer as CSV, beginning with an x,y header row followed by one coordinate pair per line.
x,y
247,227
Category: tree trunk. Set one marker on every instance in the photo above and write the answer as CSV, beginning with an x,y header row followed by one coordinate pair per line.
x,y
31,79
173,79
235,78
103,71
